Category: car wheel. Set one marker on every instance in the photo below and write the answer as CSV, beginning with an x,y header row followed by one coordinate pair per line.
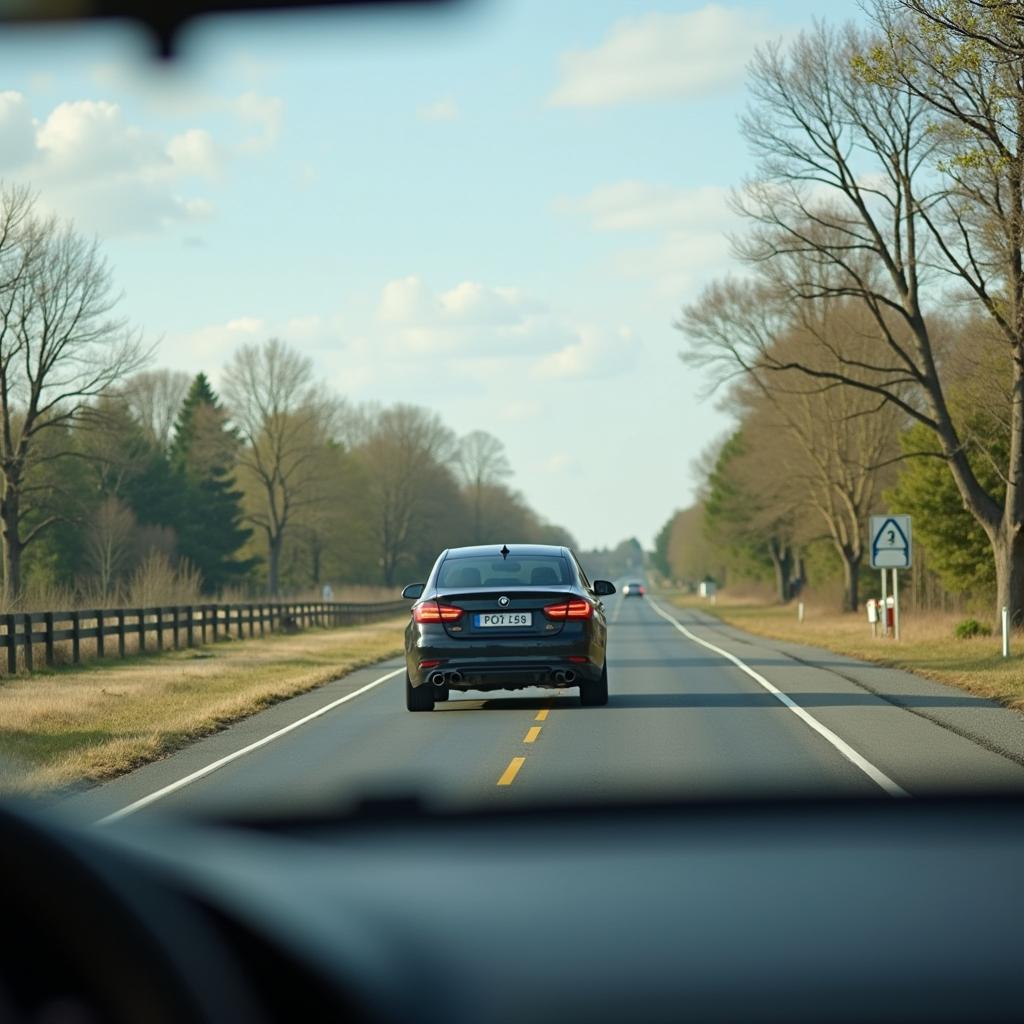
x,y
418,698
594,694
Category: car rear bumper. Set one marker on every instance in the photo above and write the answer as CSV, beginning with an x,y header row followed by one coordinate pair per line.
x,y
482,667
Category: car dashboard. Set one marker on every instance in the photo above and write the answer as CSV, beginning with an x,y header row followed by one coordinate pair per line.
x,y
845,910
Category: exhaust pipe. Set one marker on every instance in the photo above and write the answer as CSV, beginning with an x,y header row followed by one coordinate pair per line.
x,y
437,678
570,676
455,677
560,677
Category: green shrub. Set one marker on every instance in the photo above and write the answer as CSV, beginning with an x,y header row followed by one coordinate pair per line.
x,y
971,627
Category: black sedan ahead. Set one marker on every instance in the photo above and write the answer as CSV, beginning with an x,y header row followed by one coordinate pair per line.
x,y
501,618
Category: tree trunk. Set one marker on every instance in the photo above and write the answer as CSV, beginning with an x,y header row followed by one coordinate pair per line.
x,y
851,581
10,513
274,564
1008,548
782,563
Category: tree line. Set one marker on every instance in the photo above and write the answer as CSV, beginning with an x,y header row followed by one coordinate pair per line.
x,y
273,484
873,348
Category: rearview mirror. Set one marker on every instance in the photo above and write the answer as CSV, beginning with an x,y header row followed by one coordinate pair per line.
x,y
413,591
603,588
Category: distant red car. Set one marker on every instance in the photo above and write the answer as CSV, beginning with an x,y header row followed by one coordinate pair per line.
x,y
633,590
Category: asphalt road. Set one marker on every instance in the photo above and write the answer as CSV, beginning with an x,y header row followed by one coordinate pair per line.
x,y
696,709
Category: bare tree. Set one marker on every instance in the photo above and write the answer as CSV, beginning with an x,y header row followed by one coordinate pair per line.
x,y
852,201
154,398
61,348
406,456
284,418
482,463
819,448
108,543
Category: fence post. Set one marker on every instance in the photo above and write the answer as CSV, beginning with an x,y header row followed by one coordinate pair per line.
x,y
48,619
100,640
12,644
76,638
176,627
159,629
262,616
28,643
216,612
190,638
142,629
120,632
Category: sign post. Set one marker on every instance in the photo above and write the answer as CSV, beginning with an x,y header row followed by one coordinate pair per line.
x,y
891,549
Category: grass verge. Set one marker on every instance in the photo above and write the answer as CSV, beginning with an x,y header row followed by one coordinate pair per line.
x,y
69,727
927,645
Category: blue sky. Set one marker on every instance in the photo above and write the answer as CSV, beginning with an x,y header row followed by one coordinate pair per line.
x,y
496,213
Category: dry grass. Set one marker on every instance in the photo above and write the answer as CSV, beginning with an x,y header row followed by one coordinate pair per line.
x,y
927,645
63,728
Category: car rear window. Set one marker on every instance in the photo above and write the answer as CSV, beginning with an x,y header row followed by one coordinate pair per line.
x,y
487,571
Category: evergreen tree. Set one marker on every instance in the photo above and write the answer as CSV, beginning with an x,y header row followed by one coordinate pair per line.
x,y
202,456
955,543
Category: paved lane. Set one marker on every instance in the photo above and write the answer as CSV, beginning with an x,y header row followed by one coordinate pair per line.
x,y
682,719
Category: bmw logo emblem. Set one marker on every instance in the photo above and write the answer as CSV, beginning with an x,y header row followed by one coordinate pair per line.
x,y
503,601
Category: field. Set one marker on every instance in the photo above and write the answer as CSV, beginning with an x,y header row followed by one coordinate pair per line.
x,y
69,727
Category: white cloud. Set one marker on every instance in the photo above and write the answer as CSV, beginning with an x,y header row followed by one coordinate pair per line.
x,y
662,56
440,110
17,131
691,227
90,138
594,353
407,300
194,152
89,163
211,346
644,206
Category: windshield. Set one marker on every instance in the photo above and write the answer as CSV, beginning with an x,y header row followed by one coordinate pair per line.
x,y
325,294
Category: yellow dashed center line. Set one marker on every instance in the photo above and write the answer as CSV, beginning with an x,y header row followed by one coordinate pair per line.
x,y
509,774
531,734
542,716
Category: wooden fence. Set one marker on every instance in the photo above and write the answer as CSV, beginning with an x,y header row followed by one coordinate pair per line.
x,y
170,626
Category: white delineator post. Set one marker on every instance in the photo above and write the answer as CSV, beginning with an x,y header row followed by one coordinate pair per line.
x,y
800,612
885,603
1006,631
895,604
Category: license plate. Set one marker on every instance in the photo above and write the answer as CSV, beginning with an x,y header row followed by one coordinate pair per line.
x,y
505,619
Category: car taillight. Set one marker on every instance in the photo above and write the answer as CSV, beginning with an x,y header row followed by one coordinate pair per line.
x,y
639,590
434,611
570,610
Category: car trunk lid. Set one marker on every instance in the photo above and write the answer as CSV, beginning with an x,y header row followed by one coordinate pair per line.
x,y
478,603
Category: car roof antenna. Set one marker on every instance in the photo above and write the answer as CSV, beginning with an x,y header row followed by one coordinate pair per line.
x,y
504,551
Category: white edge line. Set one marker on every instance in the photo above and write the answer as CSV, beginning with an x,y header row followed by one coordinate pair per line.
x,y
871,771
209,769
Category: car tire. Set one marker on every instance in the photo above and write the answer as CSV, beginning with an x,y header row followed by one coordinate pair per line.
x,y
418,698
594,693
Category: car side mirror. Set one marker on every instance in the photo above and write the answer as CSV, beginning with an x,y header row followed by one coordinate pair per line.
x,y
603,588
414,590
